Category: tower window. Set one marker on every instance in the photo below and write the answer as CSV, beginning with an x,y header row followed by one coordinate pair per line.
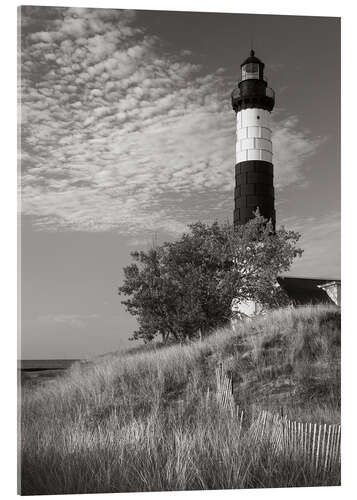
x,y
258,117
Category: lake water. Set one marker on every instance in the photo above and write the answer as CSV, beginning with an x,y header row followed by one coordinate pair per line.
x,y
38,370
45,364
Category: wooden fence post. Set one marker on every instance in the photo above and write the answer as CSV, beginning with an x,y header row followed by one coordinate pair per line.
x,y
338,445
306,442
327,447
323,445
318,447
313,444
332,447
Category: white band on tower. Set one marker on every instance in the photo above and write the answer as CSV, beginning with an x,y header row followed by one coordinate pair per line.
x,y
253,135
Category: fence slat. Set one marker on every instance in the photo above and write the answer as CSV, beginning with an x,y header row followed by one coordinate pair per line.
x,y
333,447
323,451
333,438
327,447
338,445
313,444
318,447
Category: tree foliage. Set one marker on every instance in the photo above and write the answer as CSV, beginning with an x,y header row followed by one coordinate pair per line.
x,y
182,287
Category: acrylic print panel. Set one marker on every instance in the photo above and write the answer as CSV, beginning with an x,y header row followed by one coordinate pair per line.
x,y
172,336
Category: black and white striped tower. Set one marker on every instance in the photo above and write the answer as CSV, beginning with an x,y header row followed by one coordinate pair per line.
x,y
253,101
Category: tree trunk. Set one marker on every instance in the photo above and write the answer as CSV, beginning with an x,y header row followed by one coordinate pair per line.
x,y
165,336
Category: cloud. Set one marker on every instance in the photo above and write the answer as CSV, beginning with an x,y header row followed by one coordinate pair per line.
x,y
72,320
118,134
292,147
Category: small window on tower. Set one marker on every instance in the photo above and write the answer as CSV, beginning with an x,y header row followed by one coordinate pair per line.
x,y
258,117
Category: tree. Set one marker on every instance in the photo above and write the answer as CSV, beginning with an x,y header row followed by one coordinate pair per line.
x,y
186,286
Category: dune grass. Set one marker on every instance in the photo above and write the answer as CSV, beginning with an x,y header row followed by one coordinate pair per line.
x,y
143,422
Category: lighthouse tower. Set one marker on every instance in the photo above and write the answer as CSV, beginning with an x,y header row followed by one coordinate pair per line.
x,y
253,101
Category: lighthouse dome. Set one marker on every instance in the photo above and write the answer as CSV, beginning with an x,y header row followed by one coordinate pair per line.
x,y
252,59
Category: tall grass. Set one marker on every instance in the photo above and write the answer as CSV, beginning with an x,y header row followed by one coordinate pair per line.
x,y
143,422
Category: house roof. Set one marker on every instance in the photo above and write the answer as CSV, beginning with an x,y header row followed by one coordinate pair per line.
x,y
330,283
305,290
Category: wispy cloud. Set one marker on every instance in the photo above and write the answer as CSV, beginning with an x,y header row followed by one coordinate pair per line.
x,y
292,147
71,320
120,134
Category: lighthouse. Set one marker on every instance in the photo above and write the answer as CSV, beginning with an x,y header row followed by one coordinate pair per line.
x,y
253,101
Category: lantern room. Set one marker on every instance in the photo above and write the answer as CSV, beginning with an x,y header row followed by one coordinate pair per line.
x,y
252,68
252,90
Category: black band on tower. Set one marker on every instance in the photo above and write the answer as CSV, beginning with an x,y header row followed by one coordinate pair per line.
x,y
254,189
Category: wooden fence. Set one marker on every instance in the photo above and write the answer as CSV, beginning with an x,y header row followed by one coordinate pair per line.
x,y
318,445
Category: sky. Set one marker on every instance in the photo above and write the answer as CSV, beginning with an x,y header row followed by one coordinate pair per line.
x,y
127,135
